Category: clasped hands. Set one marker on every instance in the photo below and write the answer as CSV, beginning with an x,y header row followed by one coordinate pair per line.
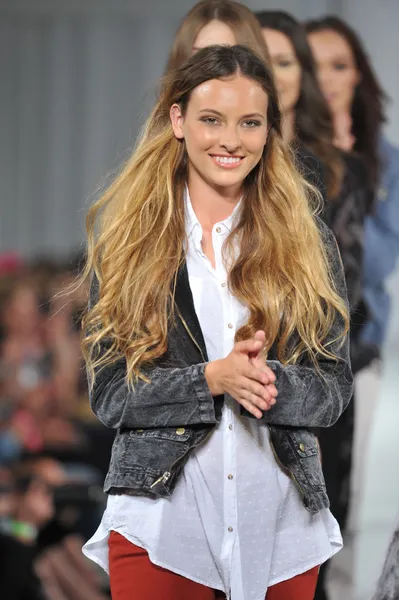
x,y
245,376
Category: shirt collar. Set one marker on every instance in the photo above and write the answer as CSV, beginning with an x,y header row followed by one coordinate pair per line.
x,y
191,218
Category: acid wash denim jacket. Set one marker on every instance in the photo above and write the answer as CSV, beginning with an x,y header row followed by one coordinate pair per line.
x,y
160,423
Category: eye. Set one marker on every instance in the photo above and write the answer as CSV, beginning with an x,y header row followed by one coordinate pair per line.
x,y
252,123
285,63
340,66
210,120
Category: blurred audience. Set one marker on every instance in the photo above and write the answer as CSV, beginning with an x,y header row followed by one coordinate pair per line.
x,y
51,471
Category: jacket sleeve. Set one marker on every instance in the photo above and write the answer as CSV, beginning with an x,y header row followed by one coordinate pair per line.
x,y
174,397
381,249
310,397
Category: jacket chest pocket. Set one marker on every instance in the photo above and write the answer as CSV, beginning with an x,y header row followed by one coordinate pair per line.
x,y
307,453
156,449
173,434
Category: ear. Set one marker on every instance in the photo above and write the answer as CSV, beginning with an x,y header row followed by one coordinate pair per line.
x,y
177,120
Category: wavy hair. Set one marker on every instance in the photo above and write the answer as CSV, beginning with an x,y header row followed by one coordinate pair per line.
x,y
368,107
314,127
237,16
137,240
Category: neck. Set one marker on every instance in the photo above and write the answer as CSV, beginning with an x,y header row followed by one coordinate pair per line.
x,y
212,204
288,126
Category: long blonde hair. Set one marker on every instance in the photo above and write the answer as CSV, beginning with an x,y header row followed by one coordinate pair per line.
x,y
239,18
136,238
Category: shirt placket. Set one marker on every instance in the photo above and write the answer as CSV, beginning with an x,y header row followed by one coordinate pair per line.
x,y
228,421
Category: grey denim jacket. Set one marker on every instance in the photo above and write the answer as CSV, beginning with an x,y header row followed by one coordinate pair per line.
x,y
160,423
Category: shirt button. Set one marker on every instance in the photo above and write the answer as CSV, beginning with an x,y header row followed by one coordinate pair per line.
x,y
230,529
218,229
224,284
230,325
230,476
230,426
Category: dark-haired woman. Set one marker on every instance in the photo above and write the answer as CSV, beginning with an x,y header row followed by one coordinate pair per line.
x,y
307,121
216,338
357,104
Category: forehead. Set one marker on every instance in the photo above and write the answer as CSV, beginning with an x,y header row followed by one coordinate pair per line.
x,y
215,32
277,42
327,44
235,93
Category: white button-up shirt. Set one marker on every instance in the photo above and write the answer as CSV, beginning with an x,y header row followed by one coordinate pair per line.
x,y
235,521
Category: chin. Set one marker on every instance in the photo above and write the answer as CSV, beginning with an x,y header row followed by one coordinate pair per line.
x,y
229,180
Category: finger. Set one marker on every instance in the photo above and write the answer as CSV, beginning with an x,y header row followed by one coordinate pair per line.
x,y
251,408
266,395
267,370
272,390
260,363
255,374
247,346
257,396
261,337
248,388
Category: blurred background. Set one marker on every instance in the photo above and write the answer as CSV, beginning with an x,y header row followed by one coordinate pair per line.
x,y
78,78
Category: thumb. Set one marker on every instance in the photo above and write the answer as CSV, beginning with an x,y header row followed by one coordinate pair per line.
x,y
260,336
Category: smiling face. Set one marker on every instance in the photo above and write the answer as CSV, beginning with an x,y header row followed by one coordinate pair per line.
x,y
286,68
224,129
336,69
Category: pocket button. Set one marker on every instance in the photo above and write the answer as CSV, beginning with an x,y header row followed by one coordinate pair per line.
x,y
302,447
180,431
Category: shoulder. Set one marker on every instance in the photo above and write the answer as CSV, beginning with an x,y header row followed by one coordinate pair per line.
x,y
326,234
355,166
356,187
328,239
389,155
388,150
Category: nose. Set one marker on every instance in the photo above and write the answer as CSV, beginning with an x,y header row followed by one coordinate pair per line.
x,y
230,138
324,78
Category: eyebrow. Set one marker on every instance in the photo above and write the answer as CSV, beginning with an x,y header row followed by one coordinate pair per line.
x,y
343,57
284,55
219,114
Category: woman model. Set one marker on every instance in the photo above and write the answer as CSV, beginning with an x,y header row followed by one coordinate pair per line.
x,y
216,338
356,101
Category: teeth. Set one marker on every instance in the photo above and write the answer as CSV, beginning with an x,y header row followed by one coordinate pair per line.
x,y
227,160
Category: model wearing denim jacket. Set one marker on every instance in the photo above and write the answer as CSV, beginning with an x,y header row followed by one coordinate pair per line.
x,y
178,411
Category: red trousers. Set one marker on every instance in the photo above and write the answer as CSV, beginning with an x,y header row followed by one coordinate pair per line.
x,y
134,577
